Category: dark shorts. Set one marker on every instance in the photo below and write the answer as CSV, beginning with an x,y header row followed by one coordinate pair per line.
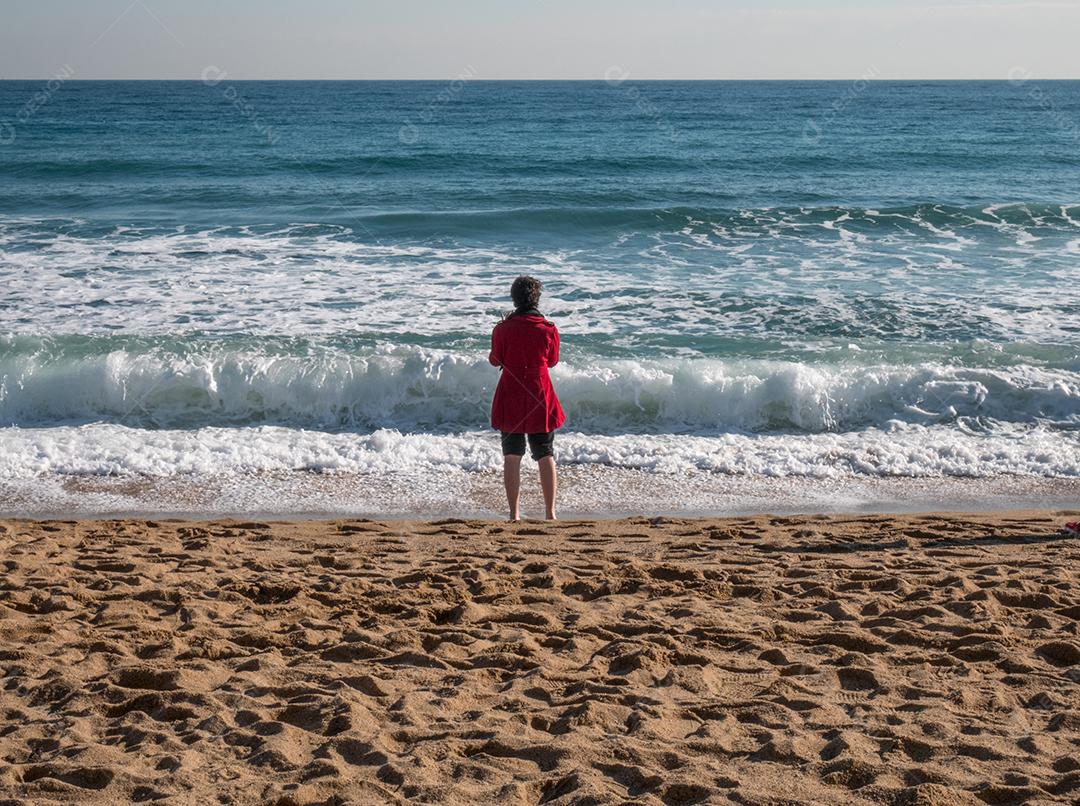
x,y
540,445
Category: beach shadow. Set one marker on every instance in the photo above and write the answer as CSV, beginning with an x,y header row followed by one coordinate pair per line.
x,y
921,542
1001,540
833,548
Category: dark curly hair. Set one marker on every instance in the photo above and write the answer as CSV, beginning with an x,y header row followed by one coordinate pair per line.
x,y
525,292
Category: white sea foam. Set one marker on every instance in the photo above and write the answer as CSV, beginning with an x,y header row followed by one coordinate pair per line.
x,y
899,451
758,272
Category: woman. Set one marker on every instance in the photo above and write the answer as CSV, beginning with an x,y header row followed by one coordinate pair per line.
x,y
524,345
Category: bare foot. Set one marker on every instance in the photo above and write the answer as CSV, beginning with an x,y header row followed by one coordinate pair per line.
x,y
551,516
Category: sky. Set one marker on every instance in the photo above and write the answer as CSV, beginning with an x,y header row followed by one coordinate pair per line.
x,y
539,39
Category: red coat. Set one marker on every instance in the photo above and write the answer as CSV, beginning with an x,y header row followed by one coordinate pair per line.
x,y
525,345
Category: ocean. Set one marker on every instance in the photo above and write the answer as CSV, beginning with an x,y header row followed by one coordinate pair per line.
x,y
251,291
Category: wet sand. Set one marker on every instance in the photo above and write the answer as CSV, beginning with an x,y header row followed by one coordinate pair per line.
x,y
586,491
909,659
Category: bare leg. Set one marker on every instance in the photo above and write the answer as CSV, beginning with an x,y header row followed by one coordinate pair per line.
x,y
512,480
549,483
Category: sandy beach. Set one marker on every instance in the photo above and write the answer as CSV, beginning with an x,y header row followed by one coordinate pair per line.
x,y
774,304
923,659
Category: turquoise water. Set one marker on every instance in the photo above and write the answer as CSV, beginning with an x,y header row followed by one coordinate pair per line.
x,y
779,278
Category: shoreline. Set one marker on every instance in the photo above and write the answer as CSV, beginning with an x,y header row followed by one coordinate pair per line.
x,y
323,522
586,492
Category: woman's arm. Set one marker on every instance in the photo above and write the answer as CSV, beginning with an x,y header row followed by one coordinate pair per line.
x,y
553,347
495,356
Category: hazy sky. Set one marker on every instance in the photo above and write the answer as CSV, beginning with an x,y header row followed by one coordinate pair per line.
x,y
533,39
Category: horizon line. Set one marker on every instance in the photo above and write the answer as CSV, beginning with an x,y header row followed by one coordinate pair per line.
x,y
553,80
